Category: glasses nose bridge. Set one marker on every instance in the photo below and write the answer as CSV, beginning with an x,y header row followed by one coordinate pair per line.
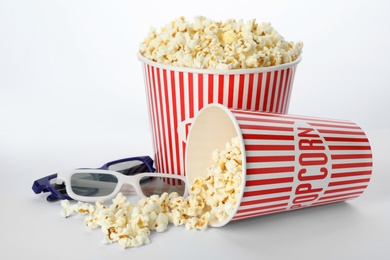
x,y
129,183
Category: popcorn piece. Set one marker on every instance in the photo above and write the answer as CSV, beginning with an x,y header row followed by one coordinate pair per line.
x,y
67,208
208,44
161,222
198,223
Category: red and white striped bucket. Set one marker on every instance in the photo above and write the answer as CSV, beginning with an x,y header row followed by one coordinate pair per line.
x,y
290,162
175,95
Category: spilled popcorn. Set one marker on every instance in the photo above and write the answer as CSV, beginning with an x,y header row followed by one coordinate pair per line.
x,y
211,199
208,44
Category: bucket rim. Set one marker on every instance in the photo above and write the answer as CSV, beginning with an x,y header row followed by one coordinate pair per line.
x,y
219,71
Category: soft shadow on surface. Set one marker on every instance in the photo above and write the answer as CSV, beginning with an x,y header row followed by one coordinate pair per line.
x,y
306,229
341,210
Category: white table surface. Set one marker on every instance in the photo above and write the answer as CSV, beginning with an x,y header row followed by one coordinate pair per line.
x,y
72,95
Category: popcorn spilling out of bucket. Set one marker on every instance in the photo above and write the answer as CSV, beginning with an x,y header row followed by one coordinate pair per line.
x,y
274,163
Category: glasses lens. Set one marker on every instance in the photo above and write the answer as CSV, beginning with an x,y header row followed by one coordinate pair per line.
x,y
93,184
129,167
158,185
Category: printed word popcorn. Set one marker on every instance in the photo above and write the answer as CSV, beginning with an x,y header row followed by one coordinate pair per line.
x,y
211,199
208,44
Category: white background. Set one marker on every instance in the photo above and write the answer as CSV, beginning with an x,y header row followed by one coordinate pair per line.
x,y
72,95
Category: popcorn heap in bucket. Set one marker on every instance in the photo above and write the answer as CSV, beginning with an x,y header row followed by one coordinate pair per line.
x,y
203,44
208,44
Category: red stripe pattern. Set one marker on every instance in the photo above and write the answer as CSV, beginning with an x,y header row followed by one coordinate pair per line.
x,y
174,97
294,162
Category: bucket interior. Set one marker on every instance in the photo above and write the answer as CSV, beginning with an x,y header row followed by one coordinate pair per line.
x,y
212,128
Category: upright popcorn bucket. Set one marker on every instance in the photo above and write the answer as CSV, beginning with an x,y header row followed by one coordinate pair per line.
x,y
175,95
289,162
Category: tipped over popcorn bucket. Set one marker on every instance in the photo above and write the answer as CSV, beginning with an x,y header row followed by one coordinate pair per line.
x,y
289,162
176,94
